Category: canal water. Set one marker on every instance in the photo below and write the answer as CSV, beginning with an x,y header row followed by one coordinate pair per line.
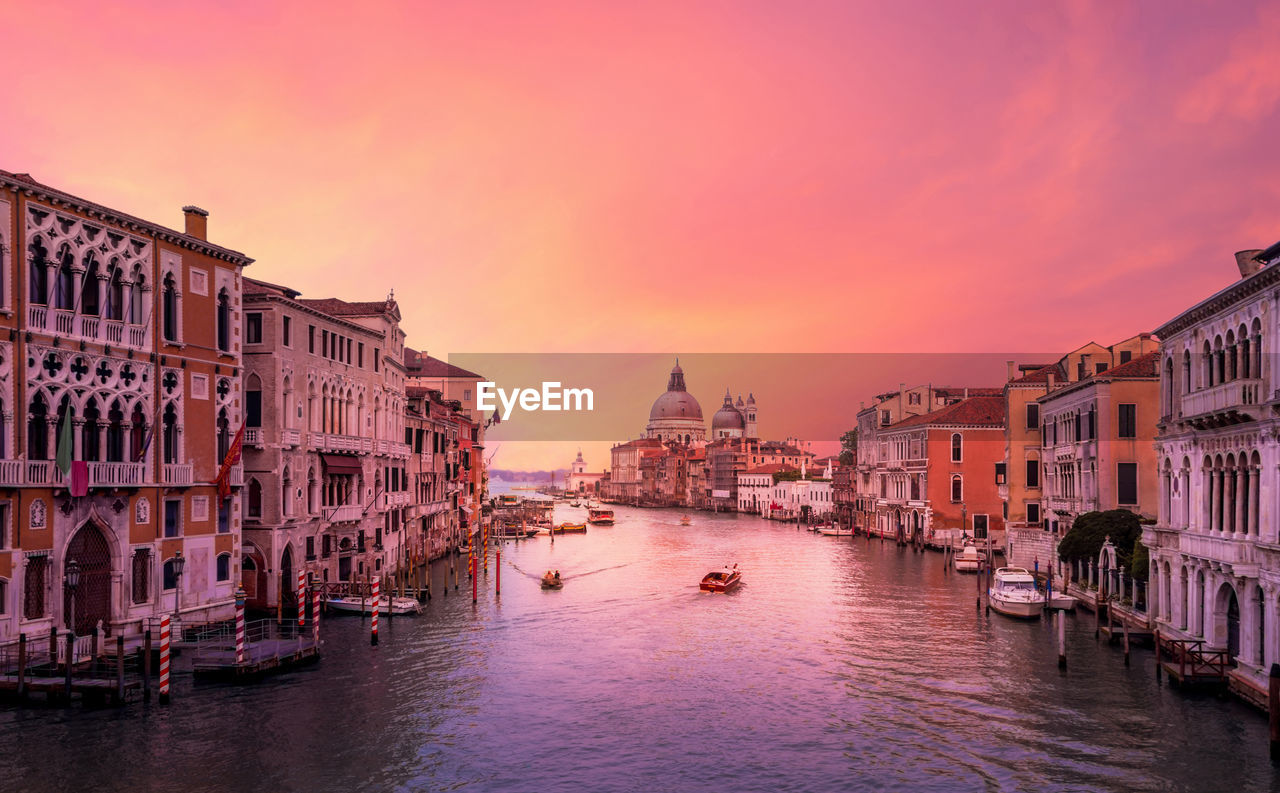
x,y
837,665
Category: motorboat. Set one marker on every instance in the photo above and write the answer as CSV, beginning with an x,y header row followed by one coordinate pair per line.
x,y
969,560
721,580
350,604
600,517
1062,602
685,520
834,530
570,528
1013,593
552,581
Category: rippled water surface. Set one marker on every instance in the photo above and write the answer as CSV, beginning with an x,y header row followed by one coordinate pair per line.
x,y
837,665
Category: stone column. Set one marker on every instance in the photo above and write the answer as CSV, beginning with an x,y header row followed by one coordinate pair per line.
x,y
1215,503
1255,502
1238,495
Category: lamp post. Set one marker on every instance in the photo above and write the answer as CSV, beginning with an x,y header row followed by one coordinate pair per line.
x,y
178,564
71,577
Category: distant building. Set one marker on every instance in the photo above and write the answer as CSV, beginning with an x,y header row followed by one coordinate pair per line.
x,y
579,480
676,415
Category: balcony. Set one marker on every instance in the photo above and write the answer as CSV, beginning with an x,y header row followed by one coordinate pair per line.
x,y
1218,547
117,474
10,473
83,327
290,438
347,513
178,474
398,499
43,472
1225,403
253,436
325,442
236,477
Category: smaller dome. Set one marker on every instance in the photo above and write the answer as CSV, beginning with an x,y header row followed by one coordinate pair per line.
x,y
727,417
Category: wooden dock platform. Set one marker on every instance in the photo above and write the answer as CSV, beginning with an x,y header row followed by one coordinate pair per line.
x,y
269,648
1192,666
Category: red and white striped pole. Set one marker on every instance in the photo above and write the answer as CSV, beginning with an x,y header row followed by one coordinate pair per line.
x,y
240,597
164,659
315,615
373,637
302,599
497,570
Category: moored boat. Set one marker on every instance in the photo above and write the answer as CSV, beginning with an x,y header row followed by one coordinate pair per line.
x,y
969,560
349,604
1013,593
721,580
570,528
600,517
835,531
1062,602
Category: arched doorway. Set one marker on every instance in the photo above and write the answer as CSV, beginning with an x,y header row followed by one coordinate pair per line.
x,y
1233,625
287,583
1226,621
89,549
253,577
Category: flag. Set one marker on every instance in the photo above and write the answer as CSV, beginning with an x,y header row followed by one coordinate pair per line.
x,y
233,457
66,444
79,478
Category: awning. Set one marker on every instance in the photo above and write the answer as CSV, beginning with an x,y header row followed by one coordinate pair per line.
x,y
342,464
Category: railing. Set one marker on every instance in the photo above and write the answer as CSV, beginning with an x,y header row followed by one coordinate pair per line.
x,y
178,474
37,316
237,476
253,436
322,441
1224,396
41,472
113,331
346,513
290,437
87,327
398,499
10,472
116,474
1194,661
64,322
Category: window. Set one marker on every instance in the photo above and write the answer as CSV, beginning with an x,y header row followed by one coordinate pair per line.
x,y
466,395
884,418
360,355
4,596
913,399
173,518
224,321
255,499
253,328
957,489
1033,513
1125,356
224,516
286,331
1000,474
956,448
1128,422
1127,484
377,355
326,546
311,339
1100,367
311,548
348,358
979,526
1033,473
169,307
1093,422
223,571
170,578
4,525
1033,416
253,406
33,594
141,575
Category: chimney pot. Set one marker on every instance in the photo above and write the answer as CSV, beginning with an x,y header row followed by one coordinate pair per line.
x,y
1247,262
1009,364
197,222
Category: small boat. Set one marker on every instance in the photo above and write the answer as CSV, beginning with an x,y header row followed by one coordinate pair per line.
x,y
721,580
685,521
835,531
1062,602
1014,594
969,560
349,604
570,528
600,517
550,581
574,504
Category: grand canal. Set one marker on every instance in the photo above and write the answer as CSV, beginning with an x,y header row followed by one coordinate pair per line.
x,y
837,665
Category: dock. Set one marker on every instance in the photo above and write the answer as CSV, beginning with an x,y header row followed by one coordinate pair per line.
x,y
28,668
1192,666
269,648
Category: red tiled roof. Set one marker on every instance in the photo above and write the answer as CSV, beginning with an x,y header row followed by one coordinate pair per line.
x,y
774,468
253,286
1143,366
1041,375
979,411
341,308
419,365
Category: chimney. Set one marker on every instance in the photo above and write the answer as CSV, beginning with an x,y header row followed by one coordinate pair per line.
x,y
1009,364
1050,388
197,222
1248,262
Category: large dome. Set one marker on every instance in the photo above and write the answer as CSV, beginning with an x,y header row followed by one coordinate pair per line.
x,y
727,418
675,405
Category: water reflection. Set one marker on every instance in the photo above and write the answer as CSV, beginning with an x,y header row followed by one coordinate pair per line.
x,y
836,665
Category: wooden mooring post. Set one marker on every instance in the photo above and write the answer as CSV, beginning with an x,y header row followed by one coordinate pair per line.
x,y
22,666
1062,640
1273,709
119,669
146,665
1124,626
1159,657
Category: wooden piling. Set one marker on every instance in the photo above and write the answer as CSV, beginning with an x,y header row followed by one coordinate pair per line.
x,y
119,668
1273,709
22,666
146,666
53,645
71,649
497,571
1159,657
1062,640
1124,625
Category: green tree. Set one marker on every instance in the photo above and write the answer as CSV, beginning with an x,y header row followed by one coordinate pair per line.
x,y
1091,529
849,447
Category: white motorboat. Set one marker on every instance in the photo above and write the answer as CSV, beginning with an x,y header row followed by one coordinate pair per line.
x,y
1013,593
353,605
835,531
969,560
1062,602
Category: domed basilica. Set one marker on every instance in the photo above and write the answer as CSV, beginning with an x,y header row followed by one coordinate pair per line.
x,y
677,417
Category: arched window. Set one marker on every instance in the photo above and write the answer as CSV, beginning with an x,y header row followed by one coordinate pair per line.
x,y
89,446
1186,371
38,428
313,492
253,402
957,448
114,303
224,321
171,434
170,575
115,433
137,433
957,488
136,292
65,292
223,571
89,288
224,435
255,498
1255,329
38,273
1207,352
169,293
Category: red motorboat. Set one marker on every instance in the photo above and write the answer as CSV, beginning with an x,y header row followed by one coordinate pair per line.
x,y
721,580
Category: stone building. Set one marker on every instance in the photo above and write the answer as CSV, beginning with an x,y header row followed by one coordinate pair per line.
x,y
1214,567
127,334
676,415
326,484
432,428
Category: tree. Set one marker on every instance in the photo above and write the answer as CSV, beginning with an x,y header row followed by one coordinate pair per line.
x,y
849,447
1091,529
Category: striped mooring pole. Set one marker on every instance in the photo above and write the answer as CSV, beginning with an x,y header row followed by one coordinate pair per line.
x,y
373,637
302,599
315,615
240,598
164,659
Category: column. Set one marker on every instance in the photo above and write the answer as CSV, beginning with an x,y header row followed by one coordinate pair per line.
x,y
1215,502
1255,502
1238,495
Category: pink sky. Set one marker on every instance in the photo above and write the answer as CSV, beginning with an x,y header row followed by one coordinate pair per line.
x,y
842,177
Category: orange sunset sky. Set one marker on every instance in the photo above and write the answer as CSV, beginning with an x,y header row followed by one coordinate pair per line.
x,y
708,177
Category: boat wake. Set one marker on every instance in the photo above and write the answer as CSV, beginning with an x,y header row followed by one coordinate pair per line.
x,y
538,576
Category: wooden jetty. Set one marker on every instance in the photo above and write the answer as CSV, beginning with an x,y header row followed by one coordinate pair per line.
x,y
268,648
61,673
1190,665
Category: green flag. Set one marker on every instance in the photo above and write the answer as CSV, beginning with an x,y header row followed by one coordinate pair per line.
x,y
65,444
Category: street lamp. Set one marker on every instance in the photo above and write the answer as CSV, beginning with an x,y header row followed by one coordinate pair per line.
x,y
178,564
71,577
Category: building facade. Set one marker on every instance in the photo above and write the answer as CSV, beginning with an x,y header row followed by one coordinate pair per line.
x,y
123,347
